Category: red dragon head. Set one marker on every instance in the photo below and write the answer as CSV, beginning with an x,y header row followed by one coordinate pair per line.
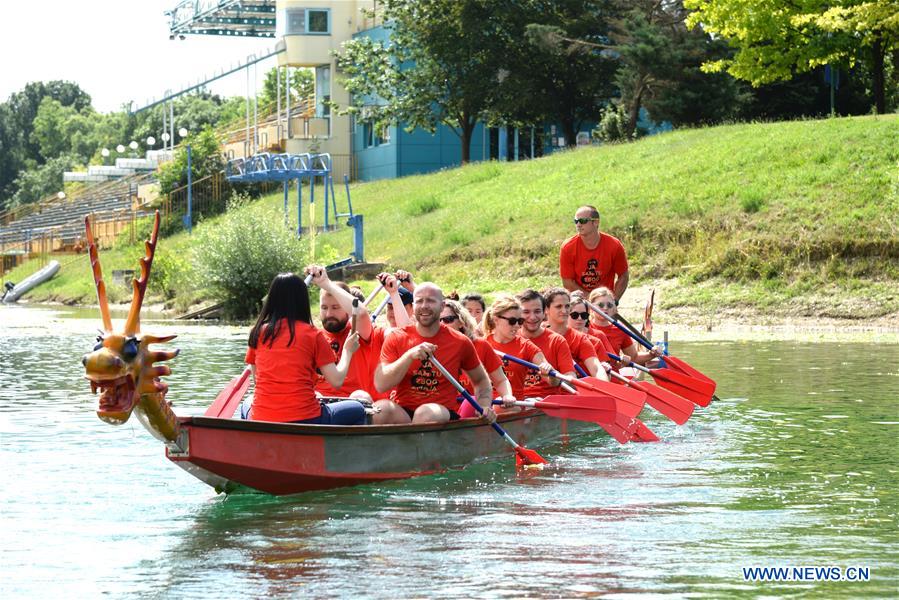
x,y
121,365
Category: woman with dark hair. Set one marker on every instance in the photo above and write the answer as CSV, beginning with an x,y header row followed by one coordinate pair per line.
x,y
285,350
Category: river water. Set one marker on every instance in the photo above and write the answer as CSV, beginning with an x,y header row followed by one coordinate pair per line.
x,y
797,465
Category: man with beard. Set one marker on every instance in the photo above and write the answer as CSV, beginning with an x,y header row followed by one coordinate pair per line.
x,y
423,395
335,306
553,346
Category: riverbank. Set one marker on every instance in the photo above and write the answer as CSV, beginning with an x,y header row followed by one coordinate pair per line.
x,y
795,220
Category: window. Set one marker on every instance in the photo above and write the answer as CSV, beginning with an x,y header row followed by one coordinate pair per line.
x,y
367,130
318,21
384,135
305,21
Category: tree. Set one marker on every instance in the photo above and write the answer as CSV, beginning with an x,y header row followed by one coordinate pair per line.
x,y
441,65
205,159
38,183
564,82
782,39
302,86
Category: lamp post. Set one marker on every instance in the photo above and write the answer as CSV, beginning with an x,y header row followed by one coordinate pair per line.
x,y
188,218
105,154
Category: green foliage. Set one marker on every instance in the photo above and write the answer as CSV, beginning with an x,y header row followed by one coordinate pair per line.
x,y
206,159
422,206
302,86
173,273
612,125
442,64
238,258
797,36
41,182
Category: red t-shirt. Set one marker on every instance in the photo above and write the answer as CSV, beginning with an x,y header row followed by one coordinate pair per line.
x,y
423,383
488,358
515,373
580,345
595,268
372,358
285,375
602,344
555,351
358,376
618,340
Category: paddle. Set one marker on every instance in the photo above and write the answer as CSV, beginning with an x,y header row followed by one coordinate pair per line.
x,y
594,409
523,456
226,402
668,403
354,315
672,361
374,293
647,316
627,427
381,306
695,390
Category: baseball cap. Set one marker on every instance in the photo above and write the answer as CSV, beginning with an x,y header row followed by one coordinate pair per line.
x,y
405,296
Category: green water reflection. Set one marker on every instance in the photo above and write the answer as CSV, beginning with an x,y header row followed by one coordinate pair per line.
x,y
796,465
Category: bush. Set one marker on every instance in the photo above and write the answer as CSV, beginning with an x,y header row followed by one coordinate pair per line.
x,y
612,125
240,254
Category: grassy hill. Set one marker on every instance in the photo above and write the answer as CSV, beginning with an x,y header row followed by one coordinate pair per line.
x,y
798,217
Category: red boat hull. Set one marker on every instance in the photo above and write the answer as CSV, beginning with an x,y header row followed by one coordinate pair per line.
x,y
284,458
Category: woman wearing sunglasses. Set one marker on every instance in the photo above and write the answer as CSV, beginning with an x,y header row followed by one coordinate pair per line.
x,y
456,317
579,320
622,343
501,324
583,351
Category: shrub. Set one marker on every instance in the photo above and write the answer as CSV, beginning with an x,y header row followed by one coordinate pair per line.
x,y
240,254
612,125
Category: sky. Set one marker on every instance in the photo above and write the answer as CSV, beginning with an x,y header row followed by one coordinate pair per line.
x,y
115,50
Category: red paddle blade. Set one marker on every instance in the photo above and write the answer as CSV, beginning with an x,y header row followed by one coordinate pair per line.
x,y
525,458
686,369
668,403
627,395
226,402
643,433
679,384
594,409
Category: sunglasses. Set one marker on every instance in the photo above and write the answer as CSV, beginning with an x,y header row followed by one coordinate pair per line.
x,y
605,305
579,315
583,220
513,321
449,319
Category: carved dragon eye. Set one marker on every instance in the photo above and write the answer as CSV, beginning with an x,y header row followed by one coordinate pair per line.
x,y
99,343
129,350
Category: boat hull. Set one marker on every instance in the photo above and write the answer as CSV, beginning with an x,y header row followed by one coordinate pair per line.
x,y
285,458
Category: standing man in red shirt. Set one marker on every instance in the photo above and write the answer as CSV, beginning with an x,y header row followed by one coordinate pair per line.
x,y
423,394
592,259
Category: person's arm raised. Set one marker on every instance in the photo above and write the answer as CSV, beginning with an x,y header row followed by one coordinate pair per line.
x,y
344,298
392,285
405,279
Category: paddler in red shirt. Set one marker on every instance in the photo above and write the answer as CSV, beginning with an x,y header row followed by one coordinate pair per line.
x,y
592,259
285,352
583,352
579,320
622,344
423,395
552,345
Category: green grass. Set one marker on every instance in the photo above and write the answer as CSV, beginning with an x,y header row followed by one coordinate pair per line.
x,y
775,216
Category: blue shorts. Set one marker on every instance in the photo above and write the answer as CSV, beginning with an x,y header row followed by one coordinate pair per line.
x,y
345,412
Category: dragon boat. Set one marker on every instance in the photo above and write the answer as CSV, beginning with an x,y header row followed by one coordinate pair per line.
x,y
233,454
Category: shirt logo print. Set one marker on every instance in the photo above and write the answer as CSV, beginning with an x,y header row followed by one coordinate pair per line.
x,y
424,379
